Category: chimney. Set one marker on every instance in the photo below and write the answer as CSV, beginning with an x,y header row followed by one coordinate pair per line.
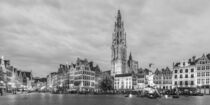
x,y
193,58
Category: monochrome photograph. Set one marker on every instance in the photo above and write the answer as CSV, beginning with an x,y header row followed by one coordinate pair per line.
x,y
104,52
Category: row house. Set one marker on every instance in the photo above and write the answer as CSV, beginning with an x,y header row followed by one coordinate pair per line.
x,y
203,71
141,78
50,80
39,84
185,73
163,78
14,78
62,76
79,76
71,78
84,77
132,81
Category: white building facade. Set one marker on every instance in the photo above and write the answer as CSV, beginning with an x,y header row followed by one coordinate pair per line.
x,y
184,74
123,82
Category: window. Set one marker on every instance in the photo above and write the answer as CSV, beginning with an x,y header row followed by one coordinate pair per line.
x,y
186,82
203,74
199,81
199,74
186,70
207,67
180,82
192,75
175,76
207,73
180,76
175,71
207,81
181,71
203,81
186,76
192,70
192,83
175,82
203,67
198,68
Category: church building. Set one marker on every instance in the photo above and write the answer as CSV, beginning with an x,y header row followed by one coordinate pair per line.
x,y
122,69
119,62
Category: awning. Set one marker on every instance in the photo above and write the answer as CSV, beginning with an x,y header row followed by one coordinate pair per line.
x,y
2,85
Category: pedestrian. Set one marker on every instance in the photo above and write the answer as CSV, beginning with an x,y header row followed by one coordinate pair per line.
x,y
1,92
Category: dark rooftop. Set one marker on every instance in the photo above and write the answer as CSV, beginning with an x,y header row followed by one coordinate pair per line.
x,y
123,75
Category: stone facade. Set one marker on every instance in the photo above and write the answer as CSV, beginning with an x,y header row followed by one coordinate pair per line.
x,y
141,78
119,47
203,71
79,76
14,78
121,69
84,76
132,65
163,78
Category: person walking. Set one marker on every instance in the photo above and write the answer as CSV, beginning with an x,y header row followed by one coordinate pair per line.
x,y
1,92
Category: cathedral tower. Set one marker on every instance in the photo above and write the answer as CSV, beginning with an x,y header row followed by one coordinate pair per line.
x,y
119,48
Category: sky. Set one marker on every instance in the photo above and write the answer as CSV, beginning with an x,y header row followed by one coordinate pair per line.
x,y
39,35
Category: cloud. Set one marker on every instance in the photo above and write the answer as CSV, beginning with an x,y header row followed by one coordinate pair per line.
x,y
38,35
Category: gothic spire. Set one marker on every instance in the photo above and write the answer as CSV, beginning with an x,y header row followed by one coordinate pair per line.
x,y
118,16
130,56
119,22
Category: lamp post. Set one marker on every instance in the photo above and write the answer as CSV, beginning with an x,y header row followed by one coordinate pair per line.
x,y
199,86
